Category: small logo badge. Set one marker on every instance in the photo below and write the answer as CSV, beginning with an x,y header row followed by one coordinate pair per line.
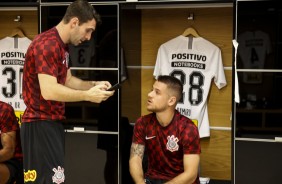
x,y
30,175
151,137
171,144
59,176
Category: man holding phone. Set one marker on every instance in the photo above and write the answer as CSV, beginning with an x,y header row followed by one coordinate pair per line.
x,y
114,87
47,85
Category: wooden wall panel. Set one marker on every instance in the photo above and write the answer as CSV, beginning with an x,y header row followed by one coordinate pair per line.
x,y
161,25
28,23
147,84
220,103
216,155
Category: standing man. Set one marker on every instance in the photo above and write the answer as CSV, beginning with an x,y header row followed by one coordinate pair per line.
x,y
11,167
47,84
170,140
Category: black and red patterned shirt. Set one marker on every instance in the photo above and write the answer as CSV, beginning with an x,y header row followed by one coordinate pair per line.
x,y
8,123
166,146
47,54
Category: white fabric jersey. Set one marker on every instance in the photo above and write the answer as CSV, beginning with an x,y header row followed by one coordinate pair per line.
x,y
12,52
195,61
253,49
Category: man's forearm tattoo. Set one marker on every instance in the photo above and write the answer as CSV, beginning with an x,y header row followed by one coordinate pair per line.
x,y
137,149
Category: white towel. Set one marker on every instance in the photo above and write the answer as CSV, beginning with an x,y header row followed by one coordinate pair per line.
x,y
236,92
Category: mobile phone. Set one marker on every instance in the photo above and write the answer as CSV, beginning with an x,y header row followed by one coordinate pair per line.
x,y
114,87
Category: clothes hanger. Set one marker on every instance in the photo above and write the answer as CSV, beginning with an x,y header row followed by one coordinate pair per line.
x,y
17,32
190,31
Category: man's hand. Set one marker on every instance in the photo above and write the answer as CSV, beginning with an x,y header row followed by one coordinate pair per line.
x,y
102,83
98,93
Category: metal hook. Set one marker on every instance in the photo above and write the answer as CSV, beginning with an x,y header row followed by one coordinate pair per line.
x,y
18,18
191,16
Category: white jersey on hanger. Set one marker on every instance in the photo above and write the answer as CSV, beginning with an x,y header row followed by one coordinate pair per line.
x,y
12,56
195,61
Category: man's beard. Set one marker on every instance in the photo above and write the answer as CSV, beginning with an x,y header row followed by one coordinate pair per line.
x,y
155,109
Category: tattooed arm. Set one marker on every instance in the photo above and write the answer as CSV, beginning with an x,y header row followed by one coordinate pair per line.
x,y
135,163
8,141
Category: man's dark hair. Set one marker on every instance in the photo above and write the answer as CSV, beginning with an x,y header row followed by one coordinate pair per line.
x,y
83,11
173,84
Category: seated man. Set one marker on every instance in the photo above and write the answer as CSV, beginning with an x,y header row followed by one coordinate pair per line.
x,y
10,148
170,139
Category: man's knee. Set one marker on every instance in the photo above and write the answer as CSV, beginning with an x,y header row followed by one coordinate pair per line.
x,y
4,174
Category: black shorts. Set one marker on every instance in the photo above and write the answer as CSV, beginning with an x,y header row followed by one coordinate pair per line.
x,y
15,167
43,144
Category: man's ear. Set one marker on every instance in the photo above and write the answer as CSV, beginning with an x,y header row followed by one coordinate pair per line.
x,y
74,22
172,100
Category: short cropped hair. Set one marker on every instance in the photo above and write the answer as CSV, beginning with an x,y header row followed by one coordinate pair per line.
x,y
83,11
173,84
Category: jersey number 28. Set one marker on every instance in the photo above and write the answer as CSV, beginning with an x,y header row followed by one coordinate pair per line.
x,y
196,82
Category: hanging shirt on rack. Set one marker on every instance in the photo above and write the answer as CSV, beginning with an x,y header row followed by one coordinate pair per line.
x,y
254,46
195,61
12,55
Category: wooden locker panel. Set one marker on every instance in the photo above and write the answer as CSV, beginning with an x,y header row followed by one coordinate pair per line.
x,y
216,155
28,22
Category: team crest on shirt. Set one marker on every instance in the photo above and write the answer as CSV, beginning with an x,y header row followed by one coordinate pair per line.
x,y
171,144
59,176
